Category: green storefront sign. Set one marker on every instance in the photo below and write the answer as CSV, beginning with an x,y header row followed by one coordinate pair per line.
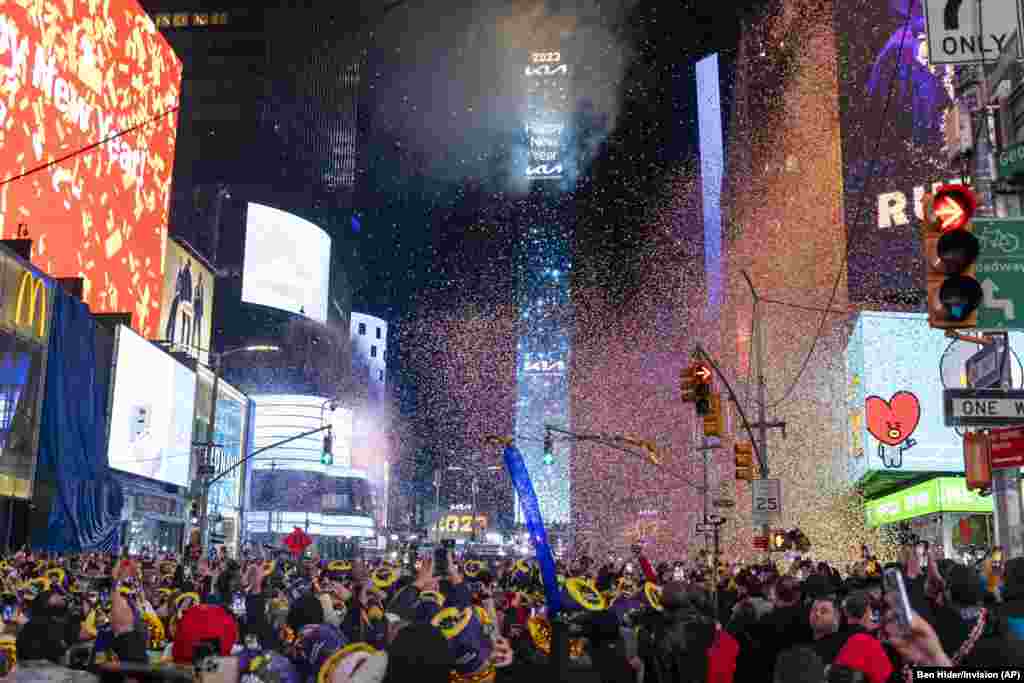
x,y
1010,161
942,494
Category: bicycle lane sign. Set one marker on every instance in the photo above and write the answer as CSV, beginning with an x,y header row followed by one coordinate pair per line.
x,y
1000,271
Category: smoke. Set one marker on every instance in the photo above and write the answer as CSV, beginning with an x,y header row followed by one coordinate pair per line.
x,y
451,93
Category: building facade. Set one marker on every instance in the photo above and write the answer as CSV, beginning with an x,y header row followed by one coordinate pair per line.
x,y
371,432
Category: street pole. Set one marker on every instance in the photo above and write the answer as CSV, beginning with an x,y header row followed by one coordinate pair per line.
x,y
762,424
1008,517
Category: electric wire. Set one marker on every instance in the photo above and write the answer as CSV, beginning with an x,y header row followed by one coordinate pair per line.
x,y
861,204
91,147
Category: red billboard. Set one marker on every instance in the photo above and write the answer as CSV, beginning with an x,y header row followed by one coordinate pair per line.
x,y
75,73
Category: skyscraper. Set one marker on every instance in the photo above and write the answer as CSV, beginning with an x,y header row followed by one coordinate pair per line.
x,y
543,265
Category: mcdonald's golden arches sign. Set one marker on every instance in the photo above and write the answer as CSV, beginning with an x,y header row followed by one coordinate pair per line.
x,y
26,300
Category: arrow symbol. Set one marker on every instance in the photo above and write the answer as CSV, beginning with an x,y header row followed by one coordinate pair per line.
x,y
703,373
950,213
989,290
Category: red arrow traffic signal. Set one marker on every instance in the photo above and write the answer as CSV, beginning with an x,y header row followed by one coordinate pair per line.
x,y
953,206
702,373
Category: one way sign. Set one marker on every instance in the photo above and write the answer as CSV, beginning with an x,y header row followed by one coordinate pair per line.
x,y
970,31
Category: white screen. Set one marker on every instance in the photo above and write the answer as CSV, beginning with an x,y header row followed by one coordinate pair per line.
x,y
287,263
151,418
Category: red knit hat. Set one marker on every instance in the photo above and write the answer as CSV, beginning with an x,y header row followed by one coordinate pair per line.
x,y
865,654
203,622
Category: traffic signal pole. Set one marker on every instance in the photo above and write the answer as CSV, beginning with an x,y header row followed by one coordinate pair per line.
x,y
762,425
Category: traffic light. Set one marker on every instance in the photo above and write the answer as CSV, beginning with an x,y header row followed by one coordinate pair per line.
x,y
714,424
695,382
744,452
327,457
978,461
549,449
950,250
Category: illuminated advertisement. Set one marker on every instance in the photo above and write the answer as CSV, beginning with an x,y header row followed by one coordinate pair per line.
x,y
884,51
313,492
229,433
542,292
151,414
941,494
712,167
26,297
287,263
894,396
75,74
278,417
547,114
186,315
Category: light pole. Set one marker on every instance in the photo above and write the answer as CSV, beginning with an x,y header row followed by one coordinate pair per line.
x,y
205,467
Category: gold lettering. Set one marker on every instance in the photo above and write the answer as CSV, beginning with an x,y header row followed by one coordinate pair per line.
x,y
33,286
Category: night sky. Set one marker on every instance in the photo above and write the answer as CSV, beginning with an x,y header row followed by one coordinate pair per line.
x,y
444,101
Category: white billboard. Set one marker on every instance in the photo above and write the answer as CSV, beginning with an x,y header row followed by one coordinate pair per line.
x,y
151,415
287,263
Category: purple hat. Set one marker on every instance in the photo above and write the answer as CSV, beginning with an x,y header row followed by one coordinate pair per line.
x,y
266,667
314,645
625,607
466,639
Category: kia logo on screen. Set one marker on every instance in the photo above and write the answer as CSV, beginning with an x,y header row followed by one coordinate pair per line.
x,y
548,70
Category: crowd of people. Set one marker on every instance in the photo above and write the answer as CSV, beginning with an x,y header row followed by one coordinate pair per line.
x,y
442,618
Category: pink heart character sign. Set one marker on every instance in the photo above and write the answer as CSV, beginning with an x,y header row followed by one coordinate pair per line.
x,y
893,421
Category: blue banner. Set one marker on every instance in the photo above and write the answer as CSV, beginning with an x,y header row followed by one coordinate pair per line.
x,y
535,525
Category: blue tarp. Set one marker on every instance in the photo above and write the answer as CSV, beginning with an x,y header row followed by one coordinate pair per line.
x,y
86,510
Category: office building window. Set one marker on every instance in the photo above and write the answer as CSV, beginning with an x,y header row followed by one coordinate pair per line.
x,y
200,19
378,333
362,328
180,19
373,352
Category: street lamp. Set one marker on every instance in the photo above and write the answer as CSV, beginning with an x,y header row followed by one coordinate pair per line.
x,y
205,469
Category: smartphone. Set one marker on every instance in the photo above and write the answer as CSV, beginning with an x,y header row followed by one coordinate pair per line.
x,y
679,574
896,596
441,559
238,604
9,612
629,568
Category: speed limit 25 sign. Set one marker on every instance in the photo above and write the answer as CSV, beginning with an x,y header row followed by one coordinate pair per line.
x,y
767,501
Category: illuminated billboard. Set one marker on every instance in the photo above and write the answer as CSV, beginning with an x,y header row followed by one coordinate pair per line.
x,y
186,315
287,263
543,300
883,51
941,494
894,394
281,416
547,115
77,74
151,415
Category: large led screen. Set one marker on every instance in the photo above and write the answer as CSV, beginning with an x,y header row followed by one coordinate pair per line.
x,y
894,396
151,415
547,114
75,74
277,417
186,315
287,263
888,167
